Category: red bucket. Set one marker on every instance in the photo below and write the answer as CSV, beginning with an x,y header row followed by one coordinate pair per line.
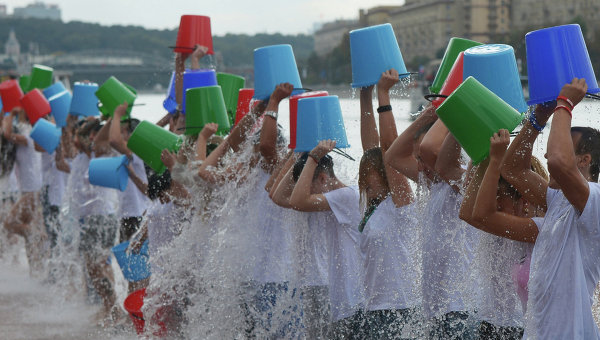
x,y
11,94
294,112
133,305
454,79
243,104
194,30
35,105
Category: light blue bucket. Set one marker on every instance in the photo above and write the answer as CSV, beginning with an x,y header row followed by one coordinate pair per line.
x,y
46,134
495,67
274,65
110,172
319,118
54,89
374,50
191,79
60,104
84,101
135,267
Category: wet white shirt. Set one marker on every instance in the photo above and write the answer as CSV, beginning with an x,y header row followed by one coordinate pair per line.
x,y
448,246
88,199
28,164
391,271
565,268
54,179
132,202
345,258
315,260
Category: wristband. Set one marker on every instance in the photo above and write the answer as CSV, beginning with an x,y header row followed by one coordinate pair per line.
x,y
567,100
314,157
565,108
384,108
535,123
271,114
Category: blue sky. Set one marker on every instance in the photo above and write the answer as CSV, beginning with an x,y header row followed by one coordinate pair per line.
x,y
227,16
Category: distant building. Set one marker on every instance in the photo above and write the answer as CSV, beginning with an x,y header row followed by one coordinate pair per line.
x,y
12,48
38,10
3,12
330,35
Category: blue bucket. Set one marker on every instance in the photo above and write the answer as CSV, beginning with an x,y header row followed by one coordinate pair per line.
x,y
54,89
319,118
170,103
84,101
274,65
191,79
60,104
495,66
555,56
135,267
46,134
374,50
110,172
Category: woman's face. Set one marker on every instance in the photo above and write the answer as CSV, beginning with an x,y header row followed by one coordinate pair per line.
x,y
376,186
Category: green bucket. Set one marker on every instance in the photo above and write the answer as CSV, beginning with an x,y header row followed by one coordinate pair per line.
x,y
149,140
230,86
455,46
40,78
473,114
112,94
205,105
24,82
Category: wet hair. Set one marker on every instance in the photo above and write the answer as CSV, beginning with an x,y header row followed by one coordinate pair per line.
x,y
325,166
132,123
507,189
281,141
372,160
589,143
86,128
158,184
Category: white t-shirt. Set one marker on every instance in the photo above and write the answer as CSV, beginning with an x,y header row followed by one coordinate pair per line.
x,y
315,260
391,272
54,179
132,202
448,246
28,164
565,268
88,199
345,259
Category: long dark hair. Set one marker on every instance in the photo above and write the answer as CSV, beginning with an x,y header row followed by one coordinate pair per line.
x,y
8,154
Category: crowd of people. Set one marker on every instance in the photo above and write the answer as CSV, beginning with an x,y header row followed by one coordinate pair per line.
x,y
250,240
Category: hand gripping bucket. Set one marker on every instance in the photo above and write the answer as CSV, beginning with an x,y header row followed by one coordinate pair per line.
x,y
453,80
60,104
110,172
205,105
274,65
84,101
46,134
149,140
114,93
473,114
495,67
454,48
555,56
54,89
294,112
193,30
35,105
243,104
374,50
11,94
41,77
319,118
230,86
197,78
135,267
133,305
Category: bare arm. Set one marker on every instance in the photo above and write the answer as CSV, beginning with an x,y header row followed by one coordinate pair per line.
x,y
268,132
164,120
302,199
368,129
278,172
141,185
448,165
199,53
400,155
101,145
207,131
431,145
115,138
562,162
7,129
283,187
485,212
387,123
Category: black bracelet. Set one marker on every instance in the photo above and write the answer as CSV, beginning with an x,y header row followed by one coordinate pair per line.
x,y
384,108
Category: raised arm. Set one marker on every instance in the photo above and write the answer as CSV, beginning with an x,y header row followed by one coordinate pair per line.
x,y
281,191
302,199
447,165
387,123
164,120
7,128
485,212
278,172
141,185
368,129
101,145
516,167
268,132
199,53
207,131
563,164
115,137
400,155
430,147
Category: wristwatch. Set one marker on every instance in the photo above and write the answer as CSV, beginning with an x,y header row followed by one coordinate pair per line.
x,y
271,114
